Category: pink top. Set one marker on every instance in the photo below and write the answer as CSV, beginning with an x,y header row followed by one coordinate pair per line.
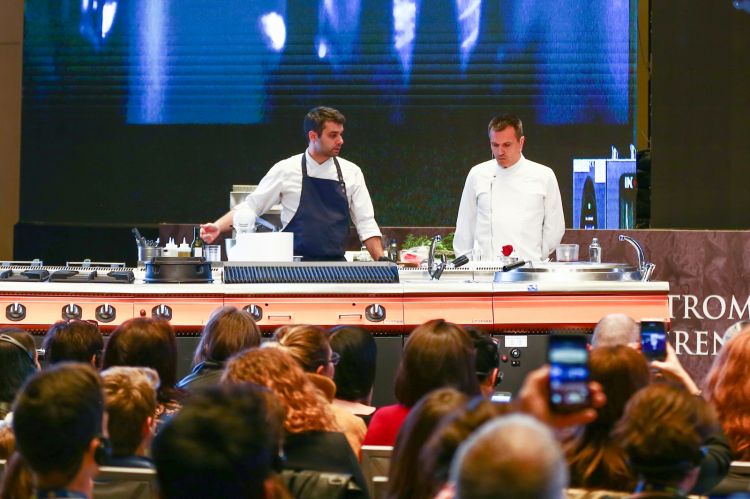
x,y
385,424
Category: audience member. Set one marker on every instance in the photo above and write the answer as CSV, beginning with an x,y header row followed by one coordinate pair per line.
x,y
734,330
229,330
225,442
616,329
595,460
73,341
662,431
313,440
488,360
58,417
144,342
26,339
355,372
17,479
514,457
437,354
417,428
438,452
310,348
16,365
725,389
130,398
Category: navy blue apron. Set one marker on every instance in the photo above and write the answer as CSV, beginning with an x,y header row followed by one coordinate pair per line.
x,y
321,223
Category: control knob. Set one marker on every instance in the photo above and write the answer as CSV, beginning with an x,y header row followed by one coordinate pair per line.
x,y
255,311
162,312
105,313
71,311
15,312
375,312
515,353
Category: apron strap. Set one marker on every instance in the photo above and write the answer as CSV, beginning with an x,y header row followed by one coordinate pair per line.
x,y
342,184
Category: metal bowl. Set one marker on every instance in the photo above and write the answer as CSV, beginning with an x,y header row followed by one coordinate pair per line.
x,y
570,272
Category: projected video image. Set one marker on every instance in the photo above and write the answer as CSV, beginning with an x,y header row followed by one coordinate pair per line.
x,y
142,92
234,61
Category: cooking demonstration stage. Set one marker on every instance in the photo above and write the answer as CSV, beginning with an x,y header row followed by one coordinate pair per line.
x,y
519,306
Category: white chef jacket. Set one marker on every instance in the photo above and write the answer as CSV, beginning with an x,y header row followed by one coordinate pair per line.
x,y
519,205
283,184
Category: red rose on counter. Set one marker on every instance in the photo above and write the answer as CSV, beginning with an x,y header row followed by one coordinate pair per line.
x,y
507,249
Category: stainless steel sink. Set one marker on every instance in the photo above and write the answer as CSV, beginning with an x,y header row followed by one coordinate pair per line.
x,y
571,272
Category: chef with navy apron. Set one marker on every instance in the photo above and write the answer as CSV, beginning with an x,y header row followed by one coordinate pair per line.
x,y
320,195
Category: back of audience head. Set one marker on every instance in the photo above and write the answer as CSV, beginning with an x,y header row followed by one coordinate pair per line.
x,y
73,341
595,459
438,452
734,330
130,398
225,442
488,359
17,479
615,329
662,431
422,420
16,365
58,423
229,330
724,388
309,346
26,339
436,354
355,372
144,342
514,457
274,368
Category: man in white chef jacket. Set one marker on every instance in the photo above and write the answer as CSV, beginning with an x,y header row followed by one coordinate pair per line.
x,y
509,200
320,193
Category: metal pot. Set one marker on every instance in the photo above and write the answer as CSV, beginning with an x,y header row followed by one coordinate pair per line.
x,y
178,270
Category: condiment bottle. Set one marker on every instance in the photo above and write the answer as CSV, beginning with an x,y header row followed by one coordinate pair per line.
x,y
184,249
170,249
595,251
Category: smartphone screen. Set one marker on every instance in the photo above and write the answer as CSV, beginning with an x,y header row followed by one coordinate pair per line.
x,y
653,339
568,357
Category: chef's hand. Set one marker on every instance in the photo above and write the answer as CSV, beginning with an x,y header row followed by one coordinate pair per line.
x,y
209,232
534,400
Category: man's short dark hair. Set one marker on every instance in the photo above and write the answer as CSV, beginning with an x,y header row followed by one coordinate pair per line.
x,y
223,443
56,416
355,372
503,121
487,352
72,341
316,118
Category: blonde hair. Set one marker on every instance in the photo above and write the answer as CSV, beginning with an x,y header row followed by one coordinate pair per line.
x,y
272,367
130,398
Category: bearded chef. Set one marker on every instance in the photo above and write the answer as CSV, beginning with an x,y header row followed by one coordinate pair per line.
x,y
319,194
509,200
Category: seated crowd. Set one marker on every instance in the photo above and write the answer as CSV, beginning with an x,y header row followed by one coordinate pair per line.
x,y
288,418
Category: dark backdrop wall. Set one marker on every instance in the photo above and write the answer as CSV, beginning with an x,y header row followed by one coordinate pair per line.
x,y
700,114
148,111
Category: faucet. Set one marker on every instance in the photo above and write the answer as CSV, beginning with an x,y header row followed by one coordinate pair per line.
x,y
646,268
435,269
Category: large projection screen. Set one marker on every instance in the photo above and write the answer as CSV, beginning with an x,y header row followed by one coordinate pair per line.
x,y
146,111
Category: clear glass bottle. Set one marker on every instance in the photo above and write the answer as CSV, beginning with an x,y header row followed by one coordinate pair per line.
x,y
393,251
595,251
